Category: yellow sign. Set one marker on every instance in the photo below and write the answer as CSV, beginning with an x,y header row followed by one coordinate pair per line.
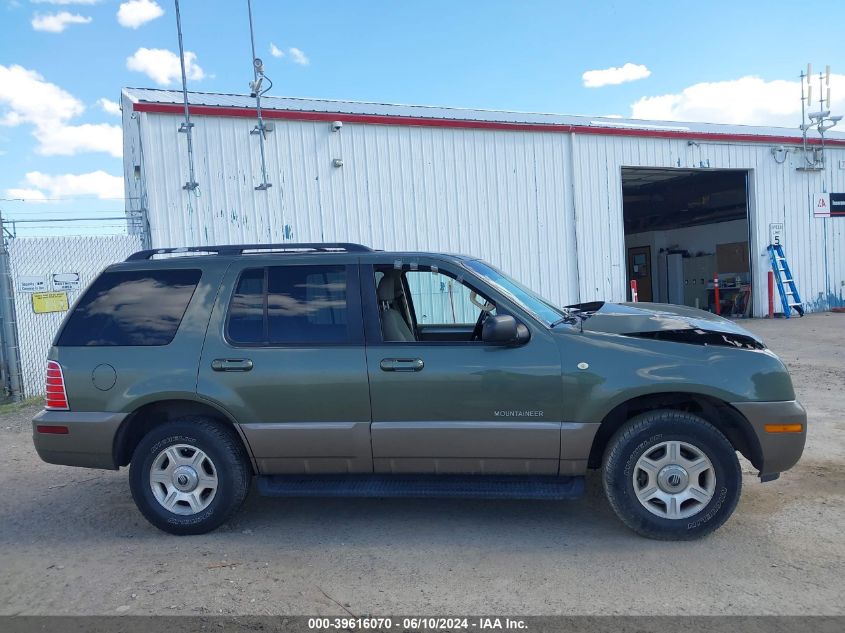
x,y
44,302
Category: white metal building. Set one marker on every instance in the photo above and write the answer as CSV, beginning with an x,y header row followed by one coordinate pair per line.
x,y
572,206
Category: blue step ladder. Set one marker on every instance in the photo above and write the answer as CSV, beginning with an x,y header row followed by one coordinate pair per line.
x,y
789,296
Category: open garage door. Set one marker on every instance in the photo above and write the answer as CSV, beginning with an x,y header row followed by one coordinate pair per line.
x,y
683,228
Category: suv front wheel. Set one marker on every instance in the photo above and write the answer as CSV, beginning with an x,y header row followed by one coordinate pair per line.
x,y
671,475
189,476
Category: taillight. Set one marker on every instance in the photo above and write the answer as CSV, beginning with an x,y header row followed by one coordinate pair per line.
x,y
56,393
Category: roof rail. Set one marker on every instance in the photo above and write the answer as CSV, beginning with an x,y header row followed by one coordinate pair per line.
x,y
240,249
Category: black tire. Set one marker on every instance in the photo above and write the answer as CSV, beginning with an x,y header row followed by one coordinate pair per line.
x,y
646,432
229,459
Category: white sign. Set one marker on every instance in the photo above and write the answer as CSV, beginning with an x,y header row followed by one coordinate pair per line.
x,y
776,233
66,281
31,283
821,205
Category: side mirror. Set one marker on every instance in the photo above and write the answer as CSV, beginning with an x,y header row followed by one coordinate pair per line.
x,y
504,329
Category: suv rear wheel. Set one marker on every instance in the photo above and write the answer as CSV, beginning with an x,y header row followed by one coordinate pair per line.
x,y
189,476
671,475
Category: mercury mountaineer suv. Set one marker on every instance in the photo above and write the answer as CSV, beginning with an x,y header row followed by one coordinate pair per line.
x,y
336,370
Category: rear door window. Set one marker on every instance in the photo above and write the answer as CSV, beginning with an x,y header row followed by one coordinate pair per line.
x,y
134,307
288,305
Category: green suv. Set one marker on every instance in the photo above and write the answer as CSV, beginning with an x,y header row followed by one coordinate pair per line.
x,y
337,370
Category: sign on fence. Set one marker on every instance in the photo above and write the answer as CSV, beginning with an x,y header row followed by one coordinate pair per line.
x,y
45,302
31,283
66,281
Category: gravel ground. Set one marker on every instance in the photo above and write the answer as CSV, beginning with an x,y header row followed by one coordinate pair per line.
x,y
72,542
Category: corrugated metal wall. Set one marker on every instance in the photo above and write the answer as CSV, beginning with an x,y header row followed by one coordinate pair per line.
x,y
499,195
777,193
546,207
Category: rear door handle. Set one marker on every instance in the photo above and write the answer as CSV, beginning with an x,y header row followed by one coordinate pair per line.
x,y
231,364
402,364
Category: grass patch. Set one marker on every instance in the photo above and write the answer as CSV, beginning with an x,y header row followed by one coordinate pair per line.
x,y
11,407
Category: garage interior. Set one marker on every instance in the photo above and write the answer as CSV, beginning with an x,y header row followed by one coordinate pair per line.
x,y
682,228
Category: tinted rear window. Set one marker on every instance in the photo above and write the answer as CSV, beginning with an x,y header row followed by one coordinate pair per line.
x,y
283,305
139,307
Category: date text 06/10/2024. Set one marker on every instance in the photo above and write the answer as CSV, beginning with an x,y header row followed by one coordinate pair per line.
x,y
420,623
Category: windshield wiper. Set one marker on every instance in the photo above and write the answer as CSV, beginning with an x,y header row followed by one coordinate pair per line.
x,y
569,316
573,316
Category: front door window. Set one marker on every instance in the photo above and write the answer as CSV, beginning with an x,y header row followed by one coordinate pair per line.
x,y
428,305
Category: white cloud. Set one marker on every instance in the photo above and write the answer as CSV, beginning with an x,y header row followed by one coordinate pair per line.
x,y
108,106
748,100
613,75
298,56
30,195
57,22
136,13
68,140
27,98
162,65
275,51
41,186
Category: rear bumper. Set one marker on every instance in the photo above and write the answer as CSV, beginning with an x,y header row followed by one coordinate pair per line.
x,y
89,441
779,451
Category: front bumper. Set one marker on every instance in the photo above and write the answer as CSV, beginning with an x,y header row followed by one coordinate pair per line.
x,y
778,451
89,441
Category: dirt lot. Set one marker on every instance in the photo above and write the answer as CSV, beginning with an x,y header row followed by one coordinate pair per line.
x,y
72,542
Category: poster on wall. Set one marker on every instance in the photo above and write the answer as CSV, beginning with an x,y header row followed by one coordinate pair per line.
x,y
837,205
829,205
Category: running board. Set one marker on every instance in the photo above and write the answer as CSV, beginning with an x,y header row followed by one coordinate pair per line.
x,y
422,486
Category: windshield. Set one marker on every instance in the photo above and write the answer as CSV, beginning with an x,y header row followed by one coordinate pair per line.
x,y
527,299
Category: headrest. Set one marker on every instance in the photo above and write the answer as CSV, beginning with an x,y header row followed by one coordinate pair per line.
x,y
388,288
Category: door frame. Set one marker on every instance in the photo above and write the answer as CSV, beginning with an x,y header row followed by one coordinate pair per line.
x,y
296,445
477,444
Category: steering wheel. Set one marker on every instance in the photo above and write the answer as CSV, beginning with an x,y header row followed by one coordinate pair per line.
x,y
486,308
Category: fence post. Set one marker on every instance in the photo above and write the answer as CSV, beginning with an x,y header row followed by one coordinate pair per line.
x,y
10,330
146,233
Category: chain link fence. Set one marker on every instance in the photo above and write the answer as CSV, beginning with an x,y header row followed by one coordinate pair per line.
x,y
47,275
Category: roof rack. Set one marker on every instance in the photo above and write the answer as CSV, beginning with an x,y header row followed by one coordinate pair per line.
x,y
241,249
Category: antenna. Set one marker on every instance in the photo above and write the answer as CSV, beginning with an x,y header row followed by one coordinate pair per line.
x,y
255,86
821,119
186,126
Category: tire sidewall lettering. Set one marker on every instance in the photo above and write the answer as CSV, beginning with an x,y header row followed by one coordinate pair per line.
x,y
647,430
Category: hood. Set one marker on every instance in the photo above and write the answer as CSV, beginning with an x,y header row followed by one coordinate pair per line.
x,y
669,322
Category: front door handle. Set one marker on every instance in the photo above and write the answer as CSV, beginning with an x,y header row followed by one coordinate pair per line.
x,y
231,364
402,364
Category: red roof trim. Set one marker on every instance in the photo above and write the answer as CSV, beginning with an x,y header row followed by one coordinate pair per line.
x,y
383,119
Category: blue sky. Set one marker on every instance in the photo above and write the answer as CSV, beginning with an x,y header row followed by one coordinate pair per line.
x,y
715,61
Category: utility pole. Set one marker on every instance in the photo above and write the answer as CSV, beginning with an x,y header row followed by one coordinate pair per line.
x,y
255,86
10,354
187,126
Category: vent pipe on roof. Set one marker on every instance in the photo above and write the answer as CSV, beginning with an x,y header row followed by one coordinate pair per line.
x,y
186,126
255,86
